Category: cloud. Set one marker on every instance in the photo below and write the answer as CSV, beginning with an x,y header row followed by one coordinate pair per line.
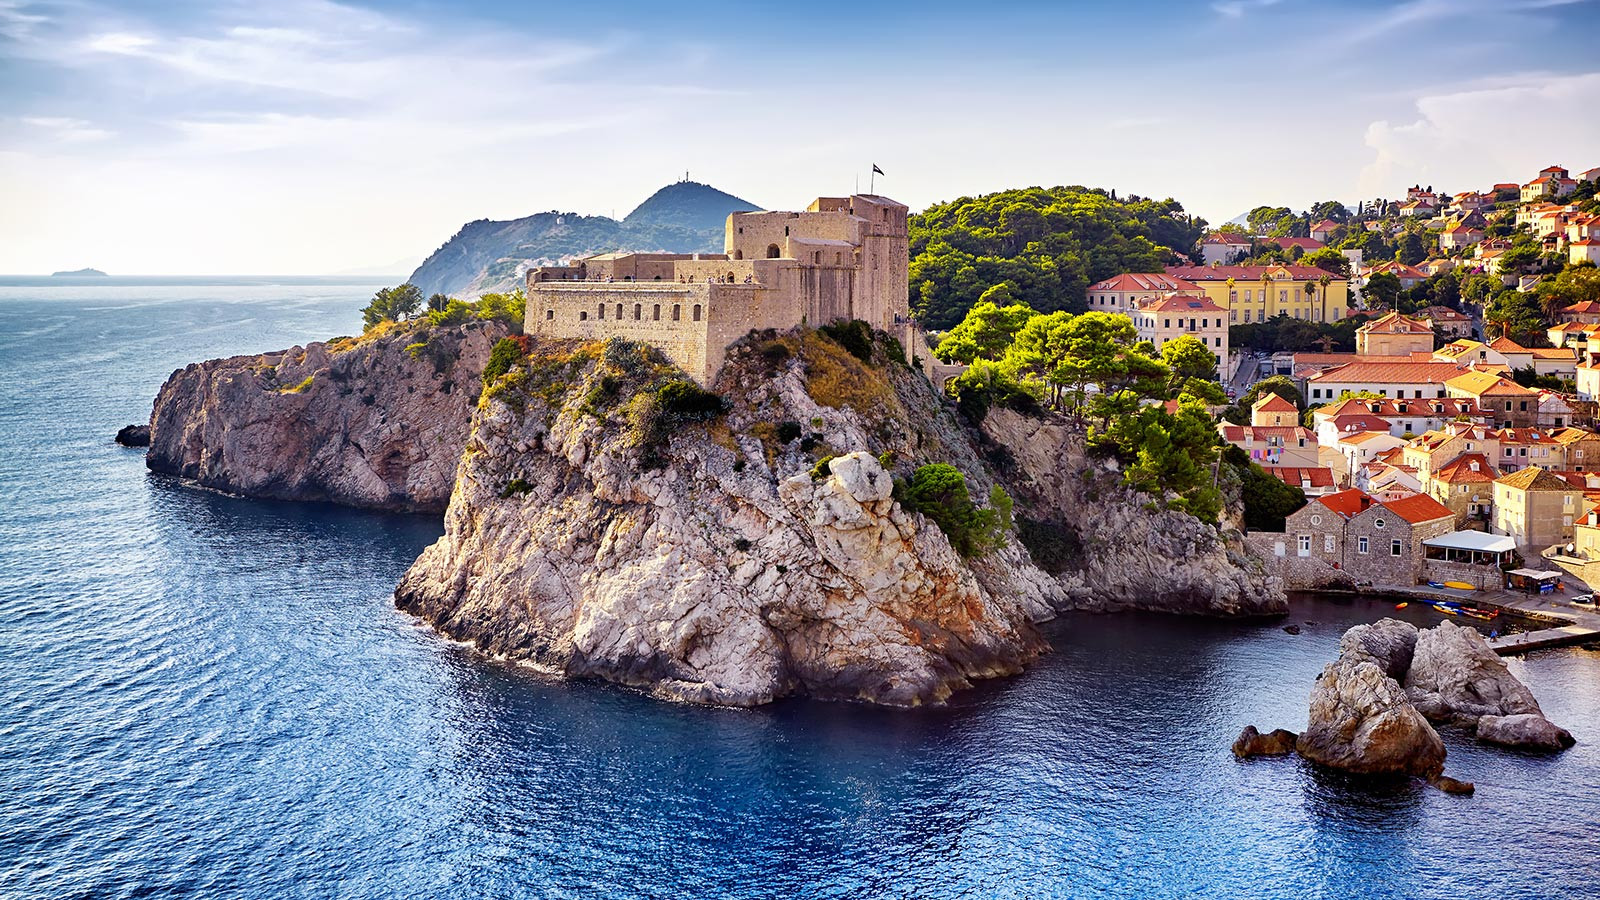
x,y
1500,130
1235,9
66,130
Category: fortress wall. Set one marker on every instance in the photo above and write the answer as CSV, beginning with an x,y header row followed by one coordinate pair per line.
x,y
752,233
572,310
738,309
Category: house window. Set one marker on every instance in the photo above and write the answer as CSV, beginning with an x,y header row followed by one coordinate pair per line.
x,y
1316,520
1305,545
1377,523
1394,548
1361,546
1247,317
1327,543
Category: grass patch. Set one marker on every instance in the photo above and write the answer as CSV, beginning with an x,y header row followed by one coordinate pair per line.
x,y
300,388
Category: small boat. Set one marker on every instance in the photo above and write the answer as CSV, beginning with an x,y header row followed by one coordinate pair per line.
x,y
1401,605
1460,585
1437,584
1478,613
1448,610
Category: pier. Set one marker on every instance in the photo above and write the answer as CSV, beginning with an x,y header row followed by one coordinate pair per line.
x,y
1567,625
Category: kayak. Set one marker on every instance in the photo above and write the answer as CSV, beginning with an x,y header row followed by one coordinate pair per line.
x,y
1460,585
1401,605
1478,613
1448,610
1438,584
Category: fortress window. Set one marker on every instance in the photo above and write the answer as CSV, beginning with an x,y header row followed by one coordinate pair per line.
x,y
697,312
730,278
785,231
772,251
657,314
601,313
837,257
637,309
658,277
677,312
583,315
739,254
549,314
816,258
619,312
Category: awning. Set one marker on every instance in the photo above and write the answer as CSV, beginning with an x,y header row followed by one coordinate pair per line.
x,y
1535,574
1479,541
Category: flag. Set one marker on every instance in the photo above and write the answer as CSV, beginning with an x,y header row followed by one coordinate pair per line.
x,y
876,170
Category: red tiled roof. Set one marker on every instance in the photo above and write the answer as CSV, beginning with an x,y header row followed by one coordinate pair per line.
x,y
1390,373
1395,323
1273,403
1460,471
1182,303
1244,273
1417,508
1144,281
1347,502
1305,243
1582,308
1303,476
1225,237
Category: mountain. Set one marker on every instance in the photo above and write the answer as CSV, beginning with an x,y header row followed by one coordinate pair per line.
x,y
75,273
686,217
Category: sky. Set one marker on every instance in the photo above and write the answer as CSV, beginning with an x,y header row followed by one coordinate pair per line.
x,y
312,137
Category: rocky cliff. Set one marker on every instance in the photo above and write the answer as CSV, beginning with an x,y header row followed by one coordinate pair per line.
x,y
376,423
604,524
742,553
1111,547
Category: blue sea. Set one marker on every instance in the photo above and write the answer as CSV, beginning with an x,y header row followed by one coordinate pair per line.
x,y
211,697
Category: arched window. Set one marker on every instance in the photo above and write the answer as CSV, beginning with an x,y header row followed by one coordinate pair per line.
x,y
601,313
697,312
637,309
619,312
730,278
816,258
657,312
677,312
772,251
658,278
738,254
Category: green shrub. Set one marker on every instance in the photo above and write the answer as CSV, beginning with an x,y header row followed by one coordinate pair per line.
x,y
507,352
854,336
416,350
515,486
300,388
684,401
820,470
939,491
454,313
886,459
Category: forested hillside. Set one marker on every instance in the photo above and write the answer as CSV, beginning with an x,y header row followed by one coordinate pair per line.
x,y
1047,245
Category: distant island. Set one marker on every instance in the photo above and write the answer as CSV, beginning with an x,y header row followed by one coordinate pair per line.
x,y
78,272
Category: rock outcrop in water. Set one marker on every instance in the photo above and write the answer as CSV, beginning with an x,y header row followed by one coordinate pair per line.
x,y
133,436
374,423
1372,708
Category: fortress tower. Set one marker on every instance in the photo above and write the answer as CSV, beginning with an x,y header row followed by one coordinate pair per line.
x,y
841,258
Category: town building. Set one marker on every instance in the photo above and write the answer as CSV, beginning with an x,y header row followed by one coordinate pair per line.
x,y
1400,418
1221,248
1122,293
1458,236
1535,508
1410,380
1272,409
1172,316
1313,481
1513,405
1323,231
1374,540
841,258
1430,452
1274,445
1465,486
1258,293
1393,334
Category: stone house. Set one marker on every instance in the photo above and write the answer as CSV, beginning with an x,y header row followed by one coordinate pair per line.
x,y
1393,334
1580,449
1513,405
1433,450
1373,540
1464,486
1271,409
1535,508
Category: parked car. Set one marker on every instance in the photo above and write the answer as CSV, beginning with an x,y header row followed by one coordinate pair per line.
x,y
1583,601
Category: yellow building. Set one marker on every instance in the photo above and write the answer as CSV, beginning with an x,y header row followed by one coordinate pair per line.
x,y
1257,293
1536,508
1394,335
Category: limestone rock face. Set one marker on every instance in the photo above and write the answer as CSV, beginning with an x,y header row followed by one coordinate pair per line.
x,y
1362,722
374,425
1389,642
1526,731
1455,677
133,436
714,562
1120,552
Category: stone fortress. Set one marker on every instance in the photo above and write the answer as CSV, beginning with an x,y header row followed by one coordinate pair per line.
x,y
842,258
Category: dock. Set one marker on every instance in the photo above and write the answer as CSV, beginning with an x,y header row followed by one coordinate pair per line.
x,y
1566,625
